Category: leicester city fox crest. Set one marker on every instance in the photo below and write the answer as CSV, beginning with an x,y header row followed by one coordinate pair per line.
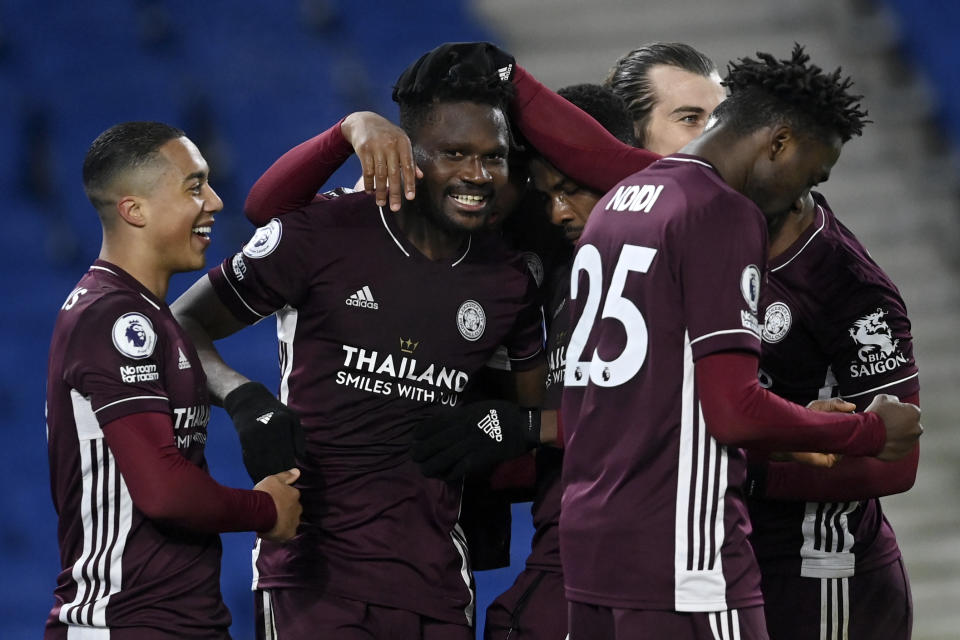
x,y
471,320
776,322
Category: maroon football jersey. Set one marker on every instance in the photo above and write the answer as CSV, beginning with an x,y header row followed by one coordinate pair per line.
x,y
373,338
834,325
667,271
116,351
545,550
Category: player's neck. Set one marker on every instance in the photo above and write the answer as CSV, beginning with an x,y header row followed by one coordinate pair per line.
x,y
726,151
795,223
430,239
132,259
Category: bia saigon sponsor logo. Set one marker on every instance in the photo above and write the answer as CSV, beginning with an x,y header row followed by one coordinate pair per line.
x,y
878,349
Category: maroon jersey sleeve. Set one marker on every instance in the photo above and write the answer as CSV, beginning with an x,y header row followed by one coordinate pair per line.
x,y
571,140
275,267
853,478
872,348
293,180
525,344
738,411
723,246
114,359
166,486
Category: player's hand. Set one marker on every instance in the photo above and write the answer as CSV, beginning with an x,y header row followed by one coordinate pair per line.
x,y
287,500
270,433
386,157
814,458
478,436
811,458
832,405
902,421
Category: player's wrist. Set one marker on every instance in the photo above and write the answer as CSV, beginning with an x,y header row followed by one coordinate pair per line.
x,y
757,471
531,429
247,395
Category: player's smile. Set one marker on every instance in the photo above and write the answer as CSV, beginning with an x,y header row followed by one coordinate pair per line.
x,y
470,202
462,151
202,232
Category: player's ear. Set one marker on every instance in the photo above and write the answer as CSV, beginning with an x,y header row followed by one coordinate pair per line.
x,y
132,210
781,137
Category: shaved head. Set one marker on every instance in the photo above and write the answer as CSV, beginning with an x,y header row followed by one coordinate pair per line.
x,y
113,165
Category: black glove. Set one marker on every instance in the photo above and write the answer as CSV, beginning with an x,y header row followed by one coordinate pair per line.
x,y
454,63
270,433
475,437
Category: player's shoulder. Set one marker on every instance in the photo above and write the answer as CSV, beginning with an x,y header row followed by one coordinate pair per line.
x,y
337,209
98,307
839,252
691,184
343,208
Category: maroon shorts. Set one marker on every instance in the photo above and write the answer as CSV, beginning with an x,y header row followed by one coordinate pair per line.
x,y
593,622
534,608
303,614
875,604
58,631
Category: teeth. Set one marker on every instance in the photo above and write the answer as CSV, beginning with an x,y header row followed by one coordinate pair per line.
x,y
202,230
467,199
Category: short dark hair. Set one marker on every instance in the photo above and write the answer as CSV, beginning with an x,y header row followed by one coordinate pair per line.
x,y
768,91
604,106
120,148
453,72
630,76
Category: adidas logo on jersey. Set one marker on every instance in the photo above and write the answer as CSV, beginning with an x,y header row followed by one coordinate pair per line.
x,y
363,298
265,418
182,362
490,425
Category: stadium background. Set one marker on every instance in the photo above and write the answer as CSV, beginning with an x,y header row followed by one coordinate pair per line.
x,y
247,80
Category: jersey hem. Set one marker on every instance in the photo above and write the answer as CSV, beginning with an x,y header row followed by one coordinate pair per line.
x,y
588,597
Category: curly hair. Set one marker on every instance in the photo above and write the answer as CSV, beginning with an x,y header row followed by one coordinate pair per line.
x,y
766,91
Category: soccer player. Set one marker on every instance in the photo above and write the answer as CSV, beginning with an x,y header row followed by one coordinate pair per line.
x,y
834,325
384,319
661,385
670,89
535,607
128,411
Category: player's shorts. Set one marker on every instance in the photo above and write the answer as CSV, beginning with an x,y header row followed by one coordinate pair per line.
x,y
534,608
594,622
60,631
875,604
304,614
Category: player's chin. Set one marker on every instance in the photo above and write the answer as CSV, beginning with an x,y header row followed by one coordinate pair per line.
x,y
471,220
